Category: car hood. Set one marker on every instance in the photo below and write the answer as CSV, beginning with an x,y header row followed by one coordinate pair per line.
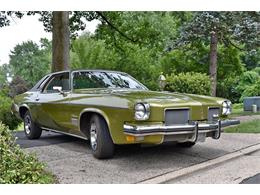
x,y
156,97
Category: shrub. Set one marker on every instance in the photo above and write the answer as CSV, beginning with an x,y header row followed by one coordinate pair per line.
x,y
227,89
5,111
17,86
249,84
253,90
248,78
17,166
190,82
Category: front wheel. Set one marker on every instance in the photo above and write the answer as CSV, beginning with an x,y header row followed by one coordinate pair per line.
x,y
31,130
100,140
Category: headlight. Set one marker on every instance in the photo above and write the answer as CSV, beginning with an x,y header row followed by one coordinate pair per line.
x,y
142,111
226,107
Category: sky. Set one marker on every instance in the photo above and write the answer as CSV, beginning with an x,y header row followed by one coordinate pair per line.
x,y
22,30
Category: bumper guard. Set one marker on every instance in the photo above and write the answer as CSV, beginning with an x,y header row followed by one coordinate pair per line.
x,y
194,128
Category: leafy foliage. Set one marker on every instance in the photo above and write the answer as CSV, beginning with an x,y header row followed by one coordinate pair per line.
x,y
5,110
190,82
253,90
144,44
90,53
17,86
16,166
249,83
227,88
4,73
30,61
231,28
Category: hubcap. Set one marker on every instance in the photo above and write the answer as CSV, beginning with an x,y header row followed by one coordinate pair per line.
x,y
93,136
27,124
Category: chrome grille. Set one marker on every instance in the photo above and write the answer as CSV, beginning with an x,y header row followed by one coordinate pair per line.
x,y
176,116
213,114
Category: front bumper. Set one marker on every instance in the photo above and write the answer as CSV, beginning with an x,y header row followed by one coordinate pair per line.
x,y
194,128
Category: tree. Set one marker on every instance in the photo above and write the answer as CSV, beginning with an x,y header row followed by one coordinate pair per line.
x,y
214,28
17,86
89,53
4,71
61,25
60,41
31,61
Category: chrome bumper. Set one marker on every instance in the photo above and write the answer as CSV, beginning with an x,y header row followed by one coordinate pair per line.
x,y
193,128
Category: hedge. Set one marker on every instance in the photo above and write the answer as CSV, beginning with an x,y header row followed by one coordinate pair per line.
x,y
190,82
16,166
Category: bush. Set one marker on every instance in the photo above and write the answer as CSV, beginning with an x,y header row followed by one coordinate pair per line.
x,y
5,111
248,78
17,166
253,90
249,84
189,82
17,86
227,89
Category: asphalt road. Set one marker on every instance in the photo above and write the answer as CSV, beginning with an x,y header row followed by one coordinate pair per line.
x,y
70,159
252,180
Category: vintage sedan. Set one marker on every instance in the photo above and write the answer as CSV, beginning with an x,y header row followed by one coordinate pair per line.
x,y
109,108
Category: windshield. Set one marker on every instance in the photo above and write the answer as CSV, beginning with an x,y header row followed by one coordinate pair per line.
x,y
95,79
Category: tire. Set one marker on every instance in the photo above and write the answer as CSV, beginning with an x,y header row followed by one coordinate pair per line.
x,y
186,144
101,143
31,130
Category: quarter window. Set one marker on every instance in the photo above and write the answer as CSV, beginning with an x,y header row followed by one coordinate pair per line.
x,y
61,80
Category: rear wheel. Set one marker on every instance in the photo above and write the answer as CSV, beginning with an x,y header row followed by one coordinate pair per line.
x,y
31,130
186,144
100,140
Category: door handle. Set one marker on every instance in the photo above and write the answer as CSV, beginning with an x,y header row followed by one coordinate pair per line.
x,y
37,99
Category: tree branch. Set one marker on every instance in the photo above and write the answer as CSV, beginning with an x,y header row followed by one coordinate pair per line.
x,y
114,27
233,44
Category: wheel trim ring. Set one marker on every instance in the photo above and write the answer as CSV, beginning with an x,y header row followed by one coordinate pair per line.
x,y
27,125
93,136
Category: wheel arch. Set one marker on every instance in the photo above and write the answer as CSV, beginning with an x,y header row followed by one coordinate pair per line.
x,y
84,120
23,109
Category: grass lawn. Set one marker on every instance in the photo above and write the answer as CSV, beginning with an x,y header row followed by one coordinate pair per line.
x,y
246,127
238,110
20,127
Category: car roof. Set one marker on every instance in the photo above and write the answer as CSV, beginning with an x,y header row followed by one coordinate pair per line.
x,y
85,70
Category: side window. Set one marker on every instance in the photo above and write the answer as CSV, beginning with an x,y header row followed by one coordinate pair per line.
x,y
61,80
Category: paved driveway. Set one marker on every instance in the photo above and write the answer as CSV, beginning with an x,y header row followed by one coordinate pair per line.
x,y
70,159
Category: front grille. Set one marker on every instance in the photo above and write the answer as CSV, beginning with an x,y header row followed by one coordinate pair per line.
x,y
213,114
176,116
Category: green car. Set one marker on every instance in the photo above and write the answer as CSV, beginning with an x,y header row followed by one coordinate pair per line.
x,y
109,108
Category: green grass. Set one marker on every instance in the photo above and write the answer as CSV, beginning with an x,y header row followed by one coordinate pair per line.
x,y
20,127
246,127
238,110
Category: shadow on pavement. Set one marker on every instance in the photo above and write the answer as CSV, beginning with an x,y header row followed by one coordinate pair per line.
x,y
47,138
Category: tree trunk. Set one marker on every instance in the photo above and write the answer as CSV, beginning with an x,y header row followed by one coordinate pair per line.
x,y
60,41
213,62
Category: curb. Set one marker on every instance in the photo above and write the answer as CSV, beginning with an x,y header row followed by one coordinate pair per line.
x,y
198,167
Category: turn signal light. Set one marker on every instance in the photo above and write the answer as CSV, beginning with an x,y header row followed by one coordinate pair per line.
x,y
130,138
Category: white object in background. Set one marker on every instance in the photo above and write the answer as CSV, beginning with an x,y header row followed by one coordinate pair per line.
x,y
254,108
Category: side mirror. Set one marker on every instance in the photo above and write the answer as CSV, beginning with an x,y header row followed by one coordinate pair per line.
x,y
58,88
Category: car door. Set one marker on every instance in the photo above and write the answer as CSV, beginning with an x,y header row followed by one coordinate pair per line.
x,y
53,109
